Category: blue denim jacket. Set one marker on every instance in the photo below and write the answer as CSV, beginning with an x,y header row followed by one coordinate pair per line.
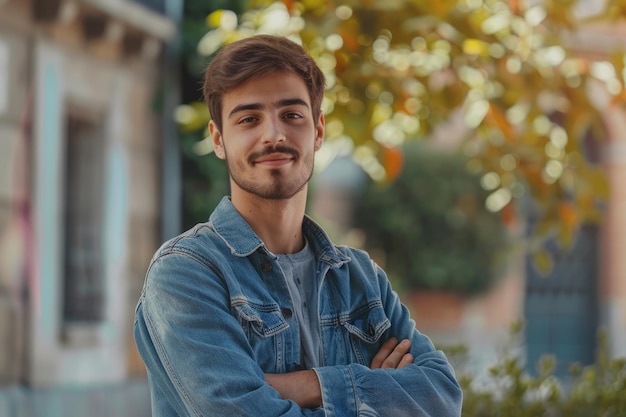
x,y
215,315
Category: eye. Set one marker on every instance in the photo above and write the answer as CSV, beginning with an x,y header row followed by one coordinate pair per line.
x,y
292,115
248,119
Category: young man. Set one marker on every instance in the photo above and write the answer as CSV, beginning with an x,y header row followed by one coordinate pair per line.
x,y
257,312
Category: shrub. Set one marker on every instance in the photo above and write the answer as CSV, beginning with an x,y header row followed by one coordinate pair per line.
x,y
432,225
597,390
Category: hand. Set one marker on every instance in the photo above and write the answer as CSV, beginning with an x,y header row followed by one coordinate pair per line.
x,y
393,355
303,387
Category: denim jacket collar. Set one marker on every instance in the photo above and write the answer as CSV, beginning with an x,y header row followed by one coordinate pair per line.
x,y
243,241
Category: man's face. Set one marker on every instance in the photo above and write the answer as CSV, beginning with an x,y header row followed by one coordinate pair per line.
x,y
268,137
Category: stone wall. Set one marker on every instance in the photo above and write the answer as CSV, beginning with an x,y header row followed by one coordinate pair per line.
x,y
14,91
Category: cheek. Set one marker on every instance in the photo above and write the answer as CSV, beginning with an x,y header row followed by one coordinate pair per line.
x,y
239,140
234,150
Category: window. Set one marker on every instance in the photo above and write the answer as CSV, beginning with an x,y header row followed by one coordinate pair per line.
x,y
83,287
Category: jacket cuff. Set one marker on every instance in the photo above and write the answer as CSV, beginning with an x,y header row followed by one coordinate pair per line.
x,y
338,387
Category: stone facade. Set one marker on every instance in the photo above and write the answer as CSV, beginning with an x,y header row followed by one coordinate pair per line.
x,y
77,85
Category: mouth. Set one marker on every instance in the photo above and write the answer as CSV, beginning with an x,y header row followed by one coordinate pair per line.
x,y
274,159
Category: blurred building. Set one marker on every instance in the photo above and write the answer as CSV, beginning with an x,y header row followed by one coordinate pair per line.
x,y
84,85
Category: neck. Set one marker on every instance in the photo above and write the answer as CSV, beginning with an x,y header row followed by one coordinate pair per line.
x,y
277,222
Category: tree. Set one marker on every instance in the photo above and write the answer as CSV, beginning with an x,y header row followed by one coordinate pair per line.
x,y
399,70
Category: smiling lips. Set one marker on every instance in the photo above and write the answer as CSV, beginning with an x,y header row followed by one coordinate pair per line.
x,y
274,159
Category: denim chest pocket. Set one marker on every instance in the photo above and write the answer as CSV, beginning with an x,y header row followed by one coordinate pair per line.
x,y
265,328
365,330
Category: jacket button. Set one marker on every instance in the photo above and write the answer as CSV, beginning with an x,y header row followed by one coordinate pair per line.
x,y
266,266
287,313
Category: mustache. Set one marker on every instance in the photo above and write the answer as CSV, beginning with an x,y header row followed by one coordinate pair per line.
x,y
274,149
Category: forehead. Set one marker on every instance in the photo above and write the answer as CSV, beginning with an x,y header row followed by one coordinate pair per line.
x,y
267,90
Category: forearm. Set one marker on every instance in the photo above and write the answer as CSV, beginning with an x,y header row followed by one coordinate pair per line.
x,y
423,389
302,387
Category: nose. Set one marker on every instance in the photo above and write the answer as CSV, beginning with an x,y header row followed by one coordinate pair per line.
x,y
273,132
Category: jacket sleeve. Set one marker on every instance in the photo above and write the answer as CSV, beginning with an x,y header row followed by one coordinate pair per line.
x,y
426,388
198,358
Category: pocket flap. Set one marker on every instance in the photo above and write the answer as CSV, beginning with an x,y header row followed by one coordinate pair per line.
x,y
370,325
264,322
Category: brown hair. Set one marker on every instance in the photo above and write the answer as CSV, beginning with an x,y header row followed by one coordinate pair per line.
x,y
257,56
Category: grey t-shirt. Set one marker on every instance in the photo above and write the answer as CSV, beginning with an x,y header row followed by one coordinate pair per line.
x,y
299,269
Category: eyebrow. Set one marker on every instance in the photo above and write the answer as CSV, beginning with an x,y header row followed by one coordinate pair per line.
x,y
258,106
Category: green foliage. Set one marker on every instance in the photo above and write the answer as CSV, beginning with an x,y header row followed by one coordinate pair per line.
x,y
205,182
597,390
432,224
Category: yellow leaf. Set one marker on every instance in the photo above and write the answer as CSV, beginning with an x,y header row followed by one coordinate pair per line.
x,y
497,118
566,236
543,262
213,20
475,47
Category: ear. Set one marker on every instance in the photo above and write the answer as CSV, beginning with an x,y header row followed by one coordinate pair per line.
x,y
319,132
216,136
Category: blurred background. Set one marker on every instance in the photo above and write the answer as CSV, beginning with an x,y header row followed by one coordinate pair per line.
x,y
475,147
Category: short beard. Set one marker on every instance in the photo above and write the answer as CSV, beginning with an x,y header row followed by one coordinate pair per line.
x,y
280,188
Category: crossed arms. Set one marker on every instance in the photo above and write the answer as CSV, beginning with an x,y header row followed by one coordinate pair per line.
x,y
303,386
